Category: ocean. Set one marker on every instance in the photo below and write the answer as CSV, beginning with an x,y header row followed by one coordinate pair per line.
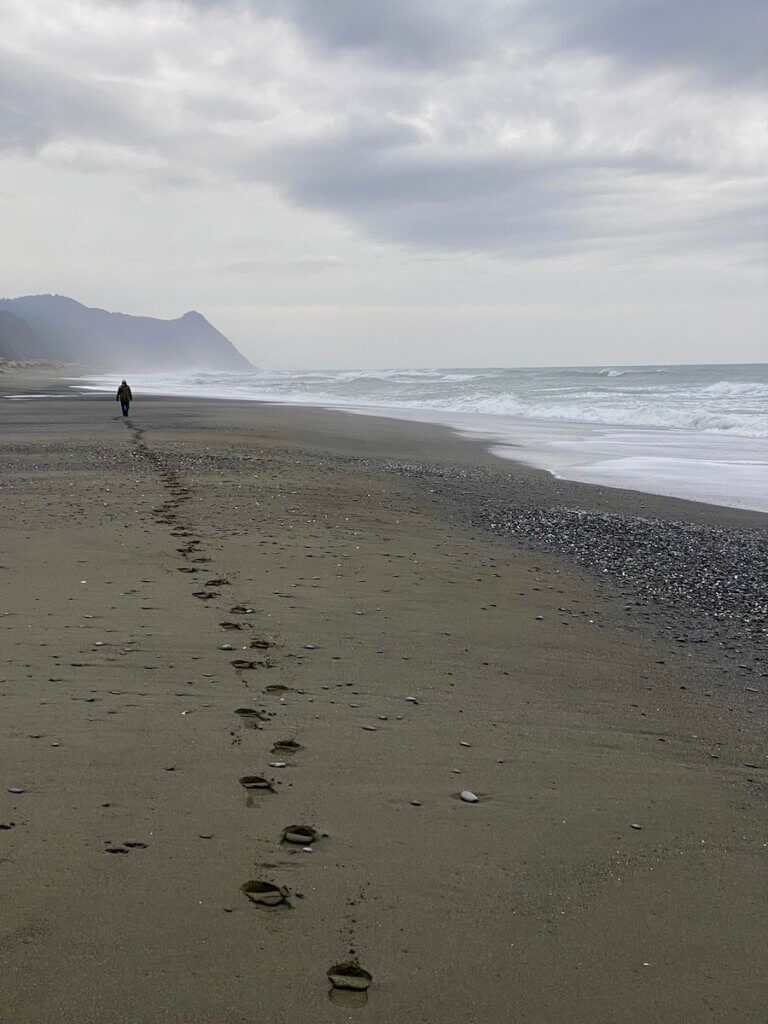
x,y
698,432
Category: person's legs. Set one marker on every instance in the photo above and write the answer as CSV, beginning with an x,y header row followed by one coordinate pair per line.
x,y
124,406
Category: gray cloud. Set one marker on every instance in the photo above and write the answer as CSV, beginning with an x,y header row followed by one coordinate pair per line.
x,y
510,153
724,40
499,204
39,103
406,32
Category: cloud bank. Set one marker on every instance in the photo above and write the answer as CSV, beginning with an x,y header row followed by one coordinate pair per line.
x,y
520,131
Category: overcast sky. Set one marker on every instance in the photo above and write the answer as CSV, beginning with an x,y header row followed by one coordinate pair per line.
x,y
402,183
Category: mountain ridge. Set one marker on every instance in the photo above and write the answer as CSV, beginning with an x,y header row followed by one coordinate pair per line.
x,y
58,327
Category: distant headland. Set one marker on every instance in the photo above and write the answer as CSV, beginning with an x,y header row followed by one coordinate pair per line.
x,y
59,329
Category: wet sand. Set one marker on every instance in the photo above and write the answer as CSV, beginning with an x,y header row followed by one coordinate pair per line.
x,y
612,869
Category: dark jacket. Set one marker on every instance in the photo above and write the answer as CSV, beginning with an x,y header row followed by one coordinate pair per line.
x,y
124,394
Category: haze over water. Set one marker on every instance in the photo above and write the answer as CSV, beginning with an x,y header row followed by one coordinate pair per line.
x,y
698,432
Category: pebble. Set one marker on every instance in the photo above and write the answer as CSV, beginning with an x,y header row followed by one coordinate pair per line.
x,y
370,728
277,764
691,568
415,803
16,789
468,796
463,743
635,825
226,647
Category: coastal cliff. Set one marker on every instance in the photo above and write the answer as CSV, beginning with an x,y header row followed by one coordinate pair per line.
x,y
55,327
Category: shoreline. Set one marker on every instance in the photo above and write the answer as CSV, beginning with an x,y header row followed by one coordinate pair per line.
x,y
493,438
190,589
717,467
700,563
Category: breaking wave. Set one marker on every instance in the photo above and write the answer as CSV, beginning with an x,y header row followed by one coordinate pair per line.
x,y
710,399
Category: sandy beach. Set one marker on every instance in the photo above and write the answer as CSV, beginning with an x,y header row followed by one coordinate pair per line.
x,y
368,615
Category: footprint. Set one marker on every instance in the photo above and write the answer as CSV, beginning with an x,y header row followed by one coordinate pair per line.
x,y
349,984
299,835
218,583
240,609
256,782
286,747
278,688
135,844
265,894
250,717
243,665
261,645
205,595
225,625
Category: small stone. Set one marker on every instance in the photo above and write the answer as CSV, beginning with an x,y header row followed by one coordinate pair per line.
x,y
370,728
277,764
415,803
226,647
310,647
463,743
468,796
635,825
15,789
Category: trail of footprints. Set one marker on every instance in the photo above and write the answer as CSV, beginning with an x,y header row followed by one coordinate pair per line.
x,y
349,982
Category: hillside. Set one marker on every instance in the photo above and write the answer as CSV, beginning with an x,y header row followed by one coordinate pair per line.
x,y
57,327
18,340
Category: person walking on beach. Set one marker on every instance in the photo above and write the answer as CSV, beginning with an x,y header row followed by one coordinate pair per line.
x,y
124,397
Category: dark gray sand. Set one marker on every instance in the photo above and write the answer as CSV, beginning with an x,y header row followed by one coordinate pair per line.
x,y
394,618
